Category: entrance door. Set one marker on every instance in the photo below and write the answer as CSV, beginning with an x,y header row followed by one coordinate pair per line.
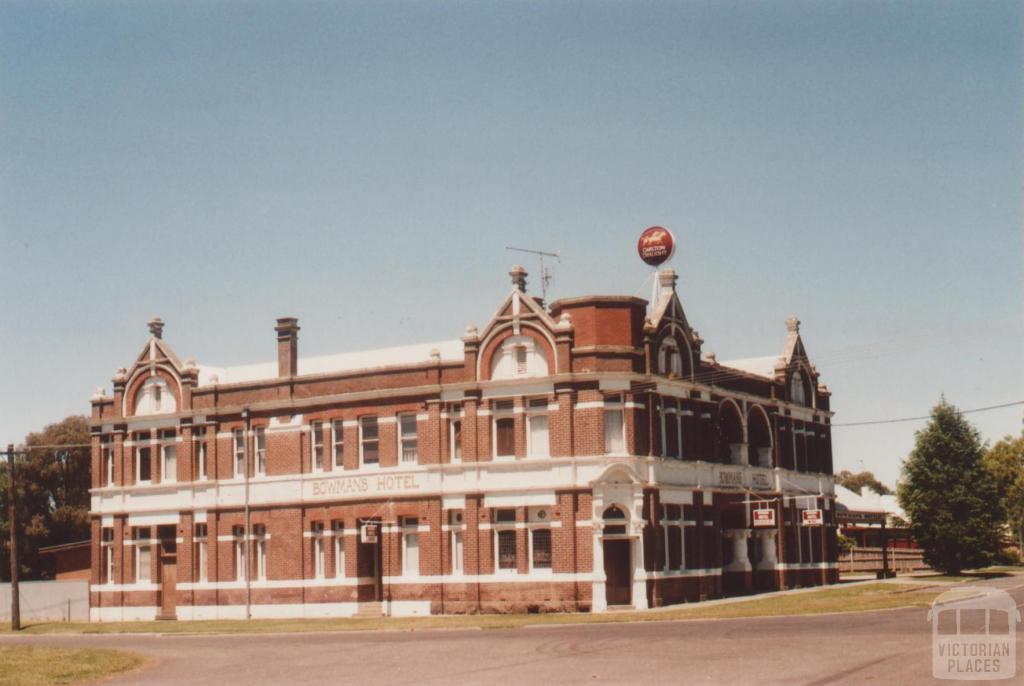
x,y
369,562
618,572
168,584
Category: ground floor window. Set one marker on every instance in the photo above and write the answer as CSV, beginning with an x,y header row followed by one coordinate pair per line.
x,y
143,558
457,552
507,549
541,548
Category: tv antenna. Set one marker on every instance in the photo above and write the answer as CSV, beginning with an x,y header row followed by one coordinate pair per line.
x,y
545,273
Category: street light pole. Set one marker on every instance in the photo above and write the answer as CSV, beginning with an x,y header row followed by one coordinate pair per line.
x,y
15,600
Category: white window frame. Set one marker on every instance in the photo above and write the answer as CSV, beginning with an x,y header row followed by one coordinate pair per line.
x,y
506,412
166,443
143,572
238,453
363,440
319,557
455,450
137,447
498,530
457,550
316,446
551,551
260,442
199,437
404,440
261,557
338,443
107,446
203,552
533,413
615,407
107,548
339,553
241,554
410,533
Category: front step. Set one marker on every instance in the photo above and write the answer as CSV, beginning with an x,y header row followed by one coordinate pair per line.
x,y
620,608
372,609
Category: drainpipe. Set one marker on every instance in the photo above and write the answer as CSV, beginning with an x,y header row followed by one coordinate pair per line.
x,y
248,522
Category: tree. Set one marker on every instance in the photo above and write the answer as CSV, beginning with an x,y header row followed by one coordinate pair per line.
x,y
52,496
1005,461
855,482
952,501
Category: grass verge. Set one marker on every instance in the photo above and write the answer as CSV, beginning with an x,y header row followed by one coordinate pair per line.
x,y
856,598
31,666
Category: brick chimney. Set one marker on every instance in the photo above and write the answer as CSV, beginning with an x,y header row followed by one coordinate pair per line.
x,y
287,346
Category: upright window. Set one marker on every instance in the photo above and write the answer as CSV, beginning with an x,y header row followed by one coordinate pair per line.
x,y
261,450
108,461
541,548
369,441
457,552
241,556
200,441
143,559
338,527
317,443
520,352
168,456
158,396
202,553
797,392
338,446
507,549
259,532
319,551
407,437
238,436
504,429
410,546
614,428
143,458
456,440
673,529
107,549
538,442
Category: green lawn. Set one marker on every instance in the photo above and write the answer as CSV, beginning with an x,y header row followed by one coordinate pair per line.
x,y
31,666
861,597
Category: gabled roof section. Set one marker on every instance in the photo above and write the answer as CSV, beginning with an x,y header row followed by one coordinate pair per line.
x,y
776,366
156,350
519,308
794,348
666,307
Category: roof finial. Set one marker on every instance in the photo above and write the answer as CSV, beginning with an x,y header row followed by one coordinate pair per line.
x,y
156,327
793,325
518,275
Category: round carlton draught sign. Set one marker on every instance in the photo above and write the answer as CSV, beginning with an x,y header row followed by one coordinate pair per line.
x,y
656,245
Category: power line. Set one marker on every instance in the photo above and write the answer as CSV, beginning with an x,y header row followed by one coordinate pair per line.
x,y
928,416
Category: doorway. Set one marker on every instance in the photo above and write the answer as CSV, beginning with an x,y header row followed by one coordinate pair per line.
x,y
168,570
618,572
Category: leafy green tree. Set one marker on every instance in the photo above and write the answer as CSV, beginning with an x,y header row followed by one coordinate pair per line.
x,y
952,501
52,496
1005,461
855,482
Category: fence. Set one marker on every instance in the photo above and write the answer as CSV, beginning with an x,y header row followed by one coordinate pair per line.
x,y
867,560
51,601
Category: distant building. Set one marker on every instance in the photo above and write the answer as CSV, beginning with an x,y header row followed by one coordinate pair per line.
x,y
861,516
72,561
571,456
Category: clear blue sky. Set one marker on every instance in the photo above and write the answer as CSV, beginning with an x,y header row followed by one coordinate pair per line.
x,y
363,165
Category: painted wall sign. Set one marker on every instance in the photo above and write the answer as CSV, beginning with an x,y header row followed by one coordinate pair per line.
x,y
760,480
361,485
656,245
730,478
812,518
765,517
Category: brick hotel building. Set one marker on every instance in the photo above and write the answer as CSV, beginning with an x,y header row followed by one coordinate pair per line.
x,y
573,456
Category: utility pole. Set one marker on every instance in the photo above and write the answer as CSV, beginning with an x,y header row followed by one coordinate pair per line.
x,y
15,600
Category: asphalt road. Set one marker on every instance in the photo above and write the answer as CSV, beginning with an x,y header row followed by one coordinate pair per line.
x,y
888,647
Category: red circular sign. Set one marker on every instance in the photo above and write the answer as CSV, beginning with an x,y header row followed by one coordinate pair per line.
x,y
656,245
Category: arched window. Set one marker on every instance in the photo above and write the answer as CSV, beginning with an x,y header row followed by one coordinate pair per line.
x,y
670,362
614,520
797,390
155,397
519,356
